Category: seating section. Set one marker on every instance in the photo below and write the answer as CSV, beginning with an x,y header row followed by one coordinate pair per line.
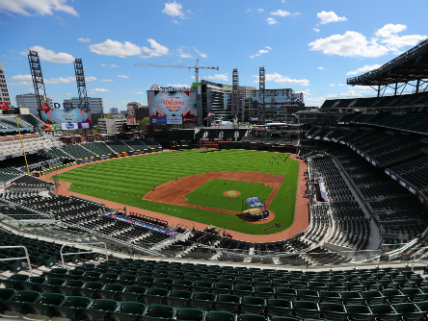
x,y
159,290
11,145
77,151
119,146
9,173
136,144
98,148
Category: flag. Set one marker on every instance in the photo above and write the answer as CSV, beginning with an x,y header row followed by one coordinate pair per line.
x,y
299,98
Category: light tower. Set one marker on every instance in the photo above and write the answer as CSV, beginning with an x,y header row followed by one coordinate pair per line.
x,y
36,74
262,91
81,83
235,93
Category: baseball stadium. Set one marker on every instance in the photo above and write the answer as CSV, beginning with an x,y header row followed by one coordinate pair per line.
x,y
320,217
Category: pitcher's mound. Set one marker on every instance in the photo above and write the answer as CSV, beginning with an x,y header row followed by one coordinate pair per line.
x,y
231,193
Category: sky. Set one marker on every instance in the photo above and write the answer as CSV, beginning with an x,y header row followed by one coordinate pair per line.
x,y
312,46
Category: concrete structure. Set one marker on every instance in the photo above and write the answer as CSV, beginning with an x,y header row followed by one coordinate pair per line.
x,y
110,126
4,92
30,101
136,110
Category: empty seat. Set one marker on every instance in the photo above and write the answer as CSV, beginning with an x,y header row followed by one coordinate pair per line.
x,y
202,300
306,309
385,312
228,302
251,317
219,316
74,307
158,312
189,314
48,304
23,299
359,312
178,298
101,308
253,304
279,307
129,311
333,311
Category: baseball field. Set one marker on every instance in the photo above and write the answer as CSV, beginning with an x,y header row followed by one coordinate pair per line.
x,y
206,186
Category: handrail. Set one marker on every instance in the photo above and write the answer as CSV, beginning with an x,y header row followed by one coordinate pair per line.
x,y
27,257
79,253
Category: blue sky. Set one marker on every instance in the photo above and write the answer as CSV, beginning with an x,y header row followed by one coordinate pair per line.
x,y
308,45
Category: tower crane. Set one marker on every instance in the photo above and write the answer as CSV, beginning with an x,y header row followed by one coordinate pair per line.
x,y
196,67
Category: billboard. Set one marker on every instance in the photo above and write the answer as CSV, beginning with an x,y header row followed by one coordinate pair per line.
x,y
130,121
172,106
58,115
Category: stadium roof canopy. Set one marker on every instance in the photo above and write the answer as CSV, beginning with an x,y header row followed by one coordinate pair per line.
x,y
411,65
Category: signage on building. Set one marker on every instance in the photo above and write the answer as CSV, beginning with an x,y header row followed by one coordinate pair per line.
x,y
130,121
4,105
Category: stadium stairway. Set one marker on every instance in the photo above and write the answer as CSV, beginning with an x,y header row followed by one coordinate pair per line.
x,y
170,241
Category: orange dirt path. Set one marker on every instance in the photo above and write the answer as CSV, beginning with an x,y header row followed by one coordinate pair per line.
x,y
301,212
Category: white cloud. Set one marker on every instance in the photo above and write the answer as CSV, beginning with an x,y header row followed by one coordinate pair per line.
x,y
140,92
316,29
21,80
329,16
280,79
332,84
173,9
84,40
116,48
362,69
260,52
156,49
100,90
68,94
50,55
26,80
107,80
352,43
271,21
179,85
200,53
112,66
320,68
281,13
283,1
222,77
183,54
36,7
260,9
123,76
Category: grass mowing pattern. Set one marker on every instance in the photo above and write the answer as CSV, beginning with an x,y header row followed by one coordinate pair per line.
x,y
211,194
127,180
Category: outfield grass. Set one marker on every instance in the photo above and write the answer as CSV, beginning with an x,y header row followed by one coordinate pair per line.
x,y
211,194
127,180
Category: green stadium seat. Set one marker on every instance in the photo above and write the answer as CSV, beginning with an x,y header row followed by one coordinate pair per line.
x,y
74,307
112,291
286,293
129,311
155,295
72,287
359,312
278,307
330,296
92,289
133,293
48,304
281,318
373,297
158,312
36,283
101,309
264,291
352,297
385,312
5,296
308,294
108,277
144,281
202,300
253,304
23,299
16,281
185,285
228,302
219,316
189,314
178,298
53,285
222,288
306,309
394,295
410,311
251,317
333,311
201,286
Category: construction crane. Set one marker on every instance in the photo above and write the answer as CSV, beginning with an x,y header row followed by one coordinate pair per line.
x,y
196,67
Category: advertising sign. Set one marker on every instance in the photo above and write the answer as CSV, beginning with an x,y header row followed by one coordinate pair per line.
x,y
172,104
85,125
69,126
76,115
158,120
130,121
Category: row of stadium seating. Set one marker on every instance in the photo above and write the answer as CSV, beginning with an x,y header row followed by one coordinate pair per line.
x,y
397,212
11,145
198,289
413,122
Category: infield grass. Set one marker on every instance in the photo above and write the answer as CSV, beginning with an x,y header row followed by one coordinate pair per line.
x,y
211,194
127,180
